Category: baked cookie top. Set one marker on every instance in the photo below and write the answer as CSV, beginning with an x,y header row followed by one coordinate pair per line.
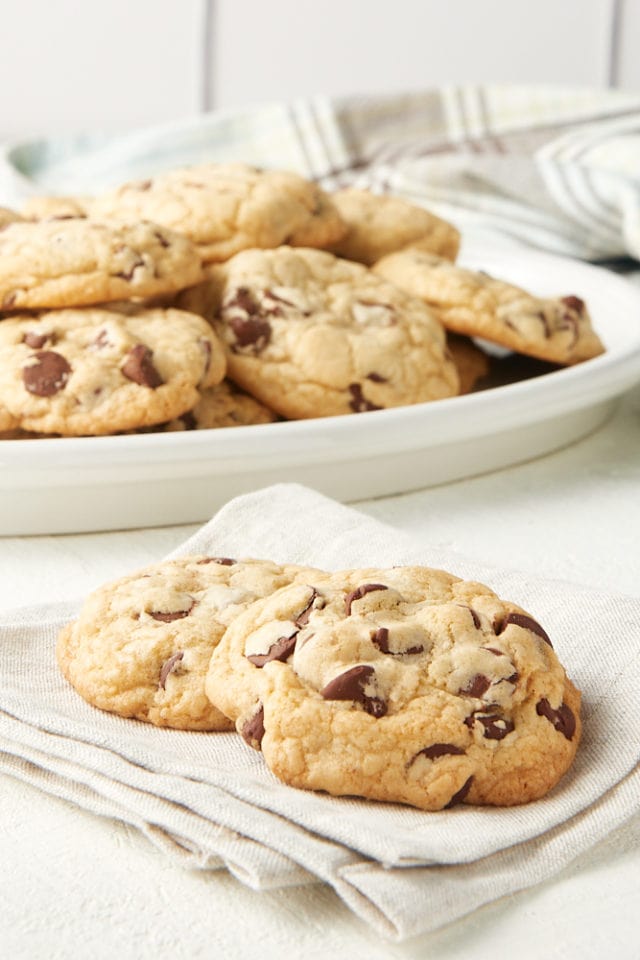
x,y
380,224
309,334
474,303
224,208
406,684
73,262
141,645
8,216
96,371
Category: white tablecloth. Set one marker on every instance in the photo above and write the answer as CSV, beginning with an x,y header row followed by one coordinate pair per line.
x,y
74,885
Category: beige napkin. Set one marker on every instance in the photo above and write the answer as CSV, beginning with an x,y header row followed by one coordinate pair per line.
x,y
209,801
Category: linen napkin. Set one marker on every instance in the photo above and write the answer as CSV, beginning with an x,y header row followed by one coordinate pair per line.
x,y
209,801
551,167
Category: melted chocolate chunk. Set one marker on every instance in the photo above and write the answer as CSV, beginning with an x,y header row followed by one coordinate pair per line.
x,y
358,402
168,666
48,376
439,750
139,367
522,620
280,650
253,729
474,615
223,561
476,686
376,377
350,686
461,794
360,592
37,340
380,639
251,332
495,727
128,274
303,617
562,719
171,615
574,303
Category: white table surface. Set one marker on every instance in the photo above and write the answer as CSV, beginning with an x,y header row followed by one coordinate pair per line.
x,y
73,885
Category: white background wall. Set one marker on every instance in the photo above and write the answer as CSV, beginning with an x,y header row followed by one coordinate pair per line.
x,y
112,65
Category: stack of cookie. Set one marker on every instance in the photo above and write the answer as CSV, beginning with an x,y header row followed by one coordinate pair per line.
x,y
405,684
223,295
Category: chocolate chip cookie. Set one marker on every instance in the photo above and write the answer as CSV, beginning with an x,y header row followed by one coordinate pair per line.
x,y
224,208
224,405
406,685
141,645
381,224
74,262
310,335
476,304
95,371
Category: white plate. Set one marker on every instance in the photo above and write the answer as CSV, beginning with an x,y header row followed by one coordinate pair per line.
x,y
103,483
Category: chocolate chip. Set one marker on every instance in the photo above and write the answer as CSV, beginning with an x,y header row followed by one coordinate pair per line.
x,y
168,666
350,686
360,592
48,376
303,617
139,367
102,340
253,730
545,324
439,750
461,794
476,686
251,332
243,298
495,726
37,340
474,615
223,561
522,620
562,719
171,615
162,240
358,402
376,377
188,421
280,650
380,639
574,303
128,274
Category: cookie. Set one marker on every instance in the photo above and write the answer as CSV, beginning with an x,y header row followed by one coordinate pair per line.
x,y
407,685
8,216
311,335
64,263
225,208
224,405
141,645
95,371
478,305
381,224
471,362
53,208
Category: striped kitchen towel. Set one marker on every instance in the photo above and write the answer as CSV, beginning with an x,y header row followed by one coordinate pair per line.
x,y
544,166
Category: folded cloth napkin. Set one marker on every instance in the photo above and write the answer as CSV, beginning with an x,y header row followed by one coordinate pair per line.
x,y
546,166
209,800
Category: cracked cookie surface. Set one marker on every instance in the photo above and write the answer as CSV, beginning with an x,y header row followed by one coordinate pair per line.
x,y
406,684
225,208
309,334
141,645
381,224
557,329
95,371
76,261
